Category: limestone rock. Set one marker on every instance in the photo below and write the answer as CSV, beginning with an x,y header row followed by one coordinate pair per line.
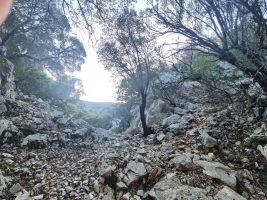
x,y
263,150
218,171
9,133
172,190
23,196
39,197
15,188
63,121
69,189
167,148
3,184
134,172
173,119
126,196
106,171
160,137
259,136
57,114
80,133
35,141
228,194
183,162
7,155
169,136
177,128
207,140
109,194
254,90
179,111
136,167
121,186
3,107
157,112
96,187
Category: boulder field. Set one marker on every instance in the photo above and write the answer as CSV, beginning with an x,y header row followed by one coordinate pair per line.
x,y
194,154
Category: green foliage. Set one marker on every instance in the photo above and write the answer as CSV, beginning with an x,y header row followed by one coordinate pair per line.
x,y
38,38
221,78
202,66
128,51
125,90
32,80
209,68
100,117
234,31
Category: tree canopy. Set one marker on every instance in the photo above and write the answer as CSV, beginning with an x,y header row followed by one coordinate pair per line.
x,y
38,37
128,51
234,31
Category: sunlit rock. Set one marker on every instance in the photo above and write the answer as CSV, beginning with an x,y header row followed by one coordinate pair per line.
x,y
35,141
228,194
171,189
218,171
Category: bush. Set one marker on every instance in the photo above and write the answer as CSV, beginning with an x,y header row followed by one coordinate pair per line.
x,y
221,78
202,67
34,81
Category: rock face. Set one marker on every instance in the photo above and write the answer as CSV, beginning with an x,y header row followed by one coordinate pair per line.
x,y
40,122
157,112
172,190
9,133
7,85
218,171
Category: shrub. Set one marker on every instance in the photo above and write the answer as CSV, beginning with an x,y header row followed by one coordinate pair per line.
x,y
221,78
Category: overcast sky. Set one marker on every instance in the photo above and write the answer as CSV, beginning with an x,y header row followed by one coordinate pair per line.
x,y
97,82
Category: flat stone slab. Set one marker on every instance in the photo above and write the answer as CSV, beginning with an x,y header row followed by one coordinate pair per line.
x,y
228,194
219,171
172,190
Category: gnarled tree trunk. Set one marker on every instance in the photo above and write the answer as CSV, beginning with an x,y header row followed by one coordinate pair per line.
x,y
142,115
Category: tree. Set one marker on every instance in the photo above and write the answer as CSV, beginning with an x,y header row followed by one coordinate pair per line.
x,y
33,80
88,14
128,51
38,38
231,30
39,32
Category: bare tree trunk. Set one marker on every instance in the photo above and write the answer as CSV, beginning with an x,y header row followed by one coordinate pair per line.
x,y
142,115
